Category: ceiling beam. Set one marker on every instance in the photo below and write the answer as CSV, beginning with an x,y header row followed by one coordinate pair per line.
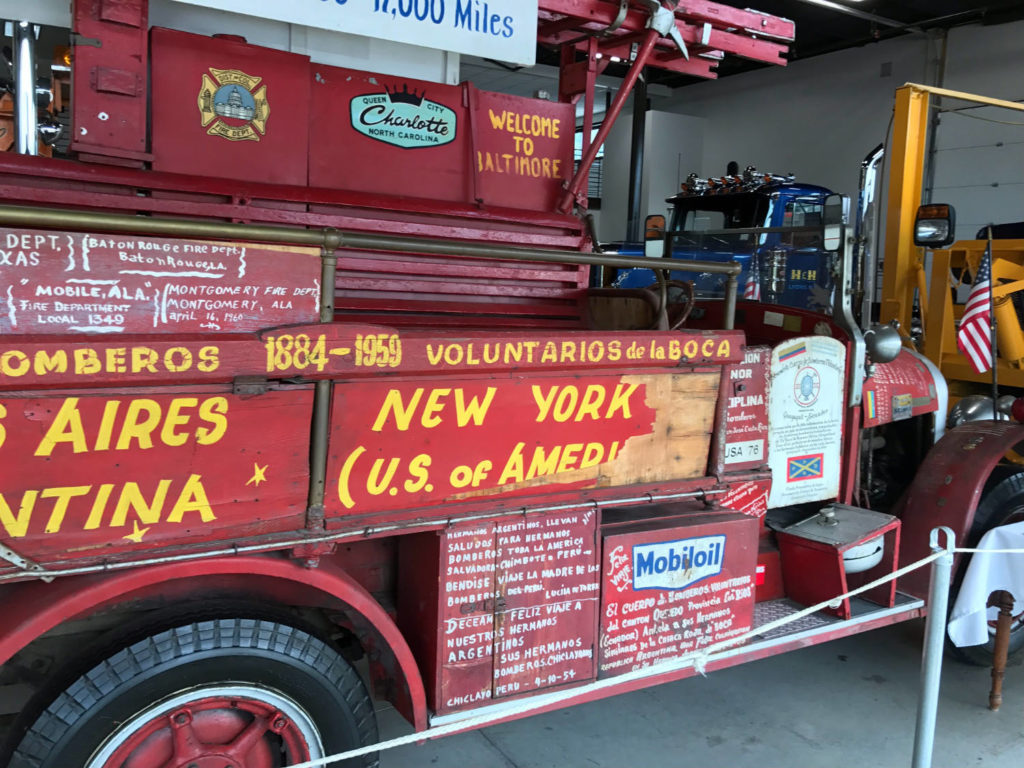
x,y
859,14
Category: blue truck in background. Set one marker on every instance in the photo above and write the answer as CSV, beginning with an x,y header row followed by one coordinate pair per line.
x,y
769,223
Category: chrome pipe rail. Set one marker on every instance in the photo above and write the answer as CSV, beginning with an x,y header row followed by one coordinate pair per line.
x,y
332,239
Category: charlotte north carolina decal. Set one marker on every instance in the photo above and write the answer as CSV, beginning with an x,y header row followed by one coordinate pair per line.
x,y
403,118
231,105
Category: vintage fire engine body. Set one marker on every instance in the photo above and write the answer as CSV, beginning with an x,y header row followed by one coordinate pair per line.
x,y
271,403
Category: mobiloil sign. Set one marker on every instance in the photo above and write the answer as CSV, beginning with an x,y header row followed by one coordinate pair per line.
x,y
677,564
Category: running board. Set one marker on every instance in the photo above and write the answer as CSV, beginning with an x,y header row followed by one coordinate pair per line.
x,y
808,630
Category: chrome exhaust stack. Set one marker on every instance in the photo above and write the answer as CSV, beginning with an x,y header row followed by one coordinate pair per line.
x,y
866,230
26,116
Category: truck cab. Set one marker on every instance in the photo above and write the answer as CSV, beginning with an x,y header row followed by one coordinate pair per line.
x,y
769,223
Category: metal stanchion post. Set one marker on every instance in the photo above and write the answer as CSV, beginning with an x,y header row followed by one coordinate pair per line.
x,y
934,640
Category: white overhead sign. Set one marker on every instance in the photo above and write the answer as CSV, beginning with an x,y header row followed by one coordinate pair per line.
x,y
495,29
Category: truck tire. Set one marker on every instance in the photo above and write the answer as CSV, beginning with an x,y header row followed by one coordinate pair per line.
x,y
1002,503
244,693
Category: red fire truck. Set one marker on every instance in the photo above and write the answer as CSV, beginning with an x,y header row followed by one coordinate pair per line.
x,y
300,374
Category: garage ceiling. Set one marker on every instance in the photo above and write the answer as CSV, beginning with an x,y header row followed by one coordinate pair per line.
x,y
822,26
825,26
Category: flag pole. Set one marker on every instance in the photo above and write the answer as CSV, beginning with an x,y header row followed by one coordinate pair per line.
x,y
992,325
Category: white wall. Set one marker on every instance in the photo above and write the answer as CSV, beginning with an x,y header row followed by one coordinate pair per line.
x,y
611,225
818,117
674,146
56,13
979,164
672,149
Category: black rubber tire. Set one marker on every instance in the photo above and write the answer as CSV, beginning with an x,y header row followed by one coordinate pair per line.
x,y
1002,501
256,651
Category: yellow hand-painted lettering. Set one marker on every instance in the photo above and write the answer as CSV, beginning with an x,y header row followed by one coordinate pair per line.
x,y
418,474
144,423
87,361
91,502
553,460
488,353
286,352
562,403
381,350
402,412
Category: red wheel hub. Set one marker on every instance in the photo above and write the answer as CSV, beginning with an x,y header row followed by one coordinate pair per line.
x,y
213,732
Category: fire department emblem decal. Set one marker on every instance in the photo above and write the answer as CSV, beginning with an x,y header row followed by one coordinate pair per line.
x,y
807,386
232,107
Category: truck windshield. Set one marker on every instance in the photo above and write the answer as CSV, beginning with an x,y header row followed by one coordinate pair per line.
x,y
804,212
719,212
776,238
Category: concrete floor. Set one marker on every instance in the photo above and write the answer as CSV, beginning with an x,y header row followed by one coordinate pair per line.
x,y
852,702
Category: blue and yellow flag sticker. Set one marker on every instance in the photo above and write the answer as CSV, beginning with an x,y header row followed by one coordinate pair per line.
x,y
805,467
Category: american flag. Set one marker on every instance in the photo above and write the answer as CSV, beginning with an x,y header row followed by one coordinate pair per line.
x,y
974,338
752,290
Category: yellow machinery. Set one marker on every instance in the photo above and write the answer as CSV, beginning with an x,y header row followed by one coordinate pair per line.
x,y
904,271
942,314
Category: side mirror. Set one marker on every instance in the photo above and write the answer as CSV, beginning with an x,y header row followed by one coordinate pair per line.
x,y
934,226
834,218
654,227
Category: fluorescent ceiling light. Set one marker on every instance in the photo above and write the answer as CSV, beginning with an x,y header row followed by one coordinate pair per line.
x,y
832,6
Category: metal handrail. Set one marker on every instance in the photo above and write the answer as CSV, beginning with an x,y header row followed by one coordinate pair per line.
x,y
330,239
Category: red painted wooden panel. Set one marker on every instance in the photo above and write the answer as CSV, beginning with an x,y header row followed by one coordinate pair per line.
x,y
749,497
341,351
547,559
417,288
475,311
355,262
493,291
68,283
109,86
543,646
466,607
342,209
224,108
522,149
103,475
409,444
378,133
549,582
745,395
652,614
548,321
417,570
517,608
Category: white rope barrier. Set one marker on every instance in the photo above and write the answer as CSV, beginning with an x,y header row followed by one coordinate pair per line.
x,y
698,660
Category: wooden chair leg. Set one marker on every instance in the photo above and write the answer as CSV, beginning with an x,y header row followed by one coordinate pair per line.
x,y
1004,601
